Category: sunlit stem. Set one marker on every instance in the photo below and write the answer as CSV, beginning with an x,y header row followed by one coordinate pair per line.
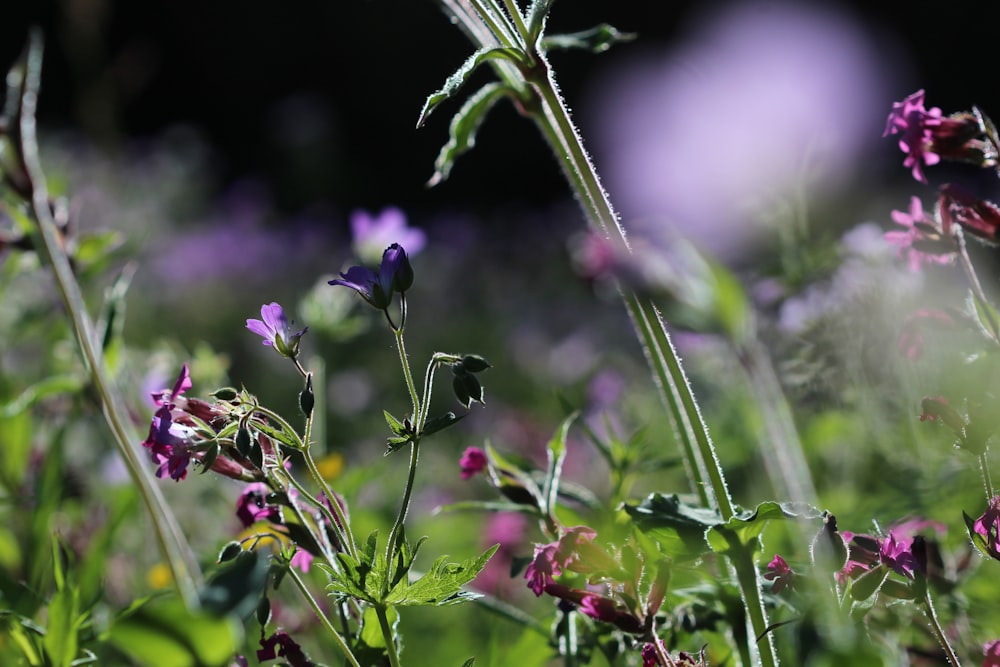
x,y
984,468
404,506
494,19
518,19
976,286
341,525
390,640
404,361
338,640
174,548
939,631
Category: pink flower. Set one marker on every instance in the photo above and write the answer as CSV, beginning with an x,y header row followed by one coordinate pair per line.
x,y
991,651
550,559
780,573
302,560
924,241
988,526
473,462
916,126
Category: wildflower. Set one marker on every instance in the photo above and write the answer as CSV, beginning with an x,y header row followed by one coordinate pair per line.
x,y
987,527
169,445
394,275
916,124
287,647
924,241
991,651
252,506
171,396
372,233
302,560
896,553
274,327
473,462
978,217
780,573
550,559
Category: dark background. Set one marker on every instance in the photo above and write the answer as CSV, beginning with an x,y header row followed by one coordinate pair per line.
x,y
318,98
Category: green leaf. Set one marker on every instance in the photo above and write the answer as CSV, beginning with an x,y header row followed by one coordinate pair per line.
x,y
442,584
51,386
396,426
745,527
61,643
464,126
538,14
556,453
237,587
371,629
362,578
678,527
462,74
986,316
165,633
596,40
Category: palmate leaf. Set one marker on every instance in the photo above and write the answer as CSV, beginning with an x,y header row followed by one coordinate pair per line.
x,y
596,40
464,125
442,584
456,80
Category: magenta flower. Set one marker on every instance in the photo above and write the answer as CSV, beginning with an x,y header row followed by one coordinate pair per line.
x,y
252,506
473,462
896,553
978,217
394,275
924,241
550,559
991,653
287,648
169,445
302,560
372,233
181,385
274,328
987,527
780,573
916,126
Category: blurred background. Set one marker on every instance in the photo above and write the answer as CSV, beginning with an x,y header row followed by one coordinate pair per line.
x,y
231,143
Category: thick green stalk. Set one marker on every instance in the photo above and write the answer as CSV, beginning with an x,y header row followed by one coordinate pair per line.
x,y
174,547
390,640
552,117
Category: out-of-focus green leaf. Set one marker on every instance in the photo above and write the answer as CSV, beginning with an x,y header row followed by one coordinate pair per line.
x,y
371,629
53,385
556,453
15,432
61,642
165,633
746,527
237,588
596,40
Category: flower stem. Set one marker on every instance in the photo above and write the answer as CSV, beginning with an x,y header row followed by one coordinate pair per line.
x,y
390,640
939,631
332,631
397,527
347,536
174,548
407,374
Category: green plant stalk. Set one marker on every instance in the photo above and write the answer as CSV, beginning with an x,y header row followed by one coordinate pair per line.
x,y
404,505
552,117
390,640
984,468
404,361
174,547
939,631
332,631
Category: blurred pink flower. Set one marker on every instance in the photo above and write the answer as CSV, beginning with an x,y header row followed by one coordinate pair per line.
x,y
372,234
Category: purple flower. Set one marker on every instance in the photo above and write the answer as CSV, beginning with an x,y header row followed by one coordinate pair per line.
x,y
896,553
372,233
302,560
169,445
473,462
780,573
170,396
394,275
274,327
916,126
991,651
921,235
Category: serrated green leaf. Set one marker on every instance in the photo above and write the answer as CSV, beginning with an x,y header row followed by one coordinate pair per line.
x,y
464,126
596,40
442,584
462,74
745,527
396,426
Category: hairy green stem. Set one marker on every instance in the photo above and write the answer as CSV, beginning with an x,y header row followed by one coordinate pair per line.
x,y
404,505
174,548
332,631
404,361
938,631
